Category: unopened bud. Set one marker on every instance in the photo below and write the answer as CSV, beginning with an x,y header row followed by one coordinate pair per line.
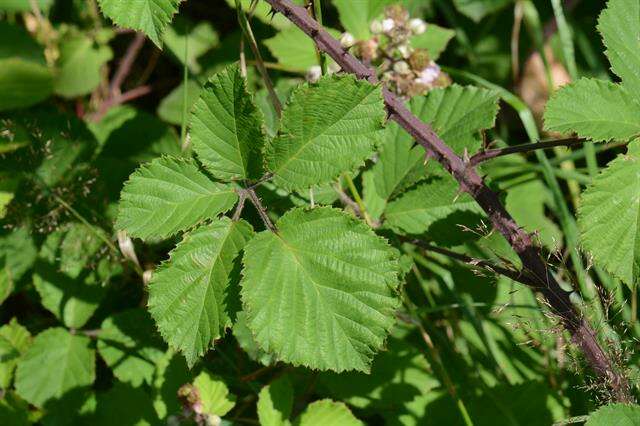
x,y
401,67
313,74
388,25
404,50
347,40
418,26
375,27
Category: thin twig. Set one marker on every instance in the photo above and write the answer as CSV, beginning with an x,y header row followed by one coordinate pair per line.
x,y
486,265
124,67
471,182
489,154
347,201
125,97
262,211
242,197
248,35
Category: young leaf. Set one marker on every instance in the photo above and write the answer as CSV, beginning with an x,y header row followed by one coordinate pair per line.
x,y
294,50
170,195
14,341
327,128
320,292
275,403
23,83
227,128
416,210
214,394
56,362
79,66
609,217
619,25
327,413
149,16
619,414
594,109
457,114
130,346
356,15
189,295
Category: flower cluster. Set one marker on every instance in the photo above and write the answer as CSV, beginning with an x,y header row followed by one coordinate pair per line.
x,y
406,70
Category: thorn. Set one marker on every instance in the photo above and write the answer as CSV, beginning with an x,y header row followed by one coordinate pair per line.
x,y
465,156
272,13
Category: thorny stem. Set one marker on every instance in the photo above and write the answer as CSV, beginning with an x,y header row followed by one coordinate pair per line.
x,y
130,95
242,197
470,182
262,211
248,34
489,154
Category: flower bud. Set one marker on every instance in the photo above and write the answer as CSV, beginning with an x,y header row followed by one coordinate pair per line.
x,y
401,67
404,50
419,60
375,27
388,25
417,26
347,40
313,74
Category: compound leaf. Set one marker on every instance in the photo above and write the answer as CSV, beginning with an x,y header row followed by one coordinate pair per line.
x,y
227,127
327,413
619,25
594,109
320,292
327,128
609,217
189,294
149,16
55,363
170,195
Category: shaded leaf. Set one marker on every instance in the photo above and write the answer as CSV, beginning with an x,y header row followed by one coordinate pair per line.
x,y
275,403
327,413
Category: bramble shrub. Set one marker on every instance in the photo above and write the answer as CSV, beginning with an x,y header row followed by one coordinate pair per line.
x,y
292,212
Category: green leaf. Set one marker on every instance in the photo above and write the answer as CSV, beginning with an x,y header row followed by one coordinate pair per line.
x,y
170,108
129,345
214,394
24,5
56,362
400,163
294,49
594,109
14,341
14,411
327,413
275,403
620,414
190,295
478,9
327,129
435,39
619,25
458,114
19,251
200,38
227,127
67,286
80,66
170,195
356,15
416,210
149,16
23,83
263,12
19,43
320,292
609,217
125,405
247,342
